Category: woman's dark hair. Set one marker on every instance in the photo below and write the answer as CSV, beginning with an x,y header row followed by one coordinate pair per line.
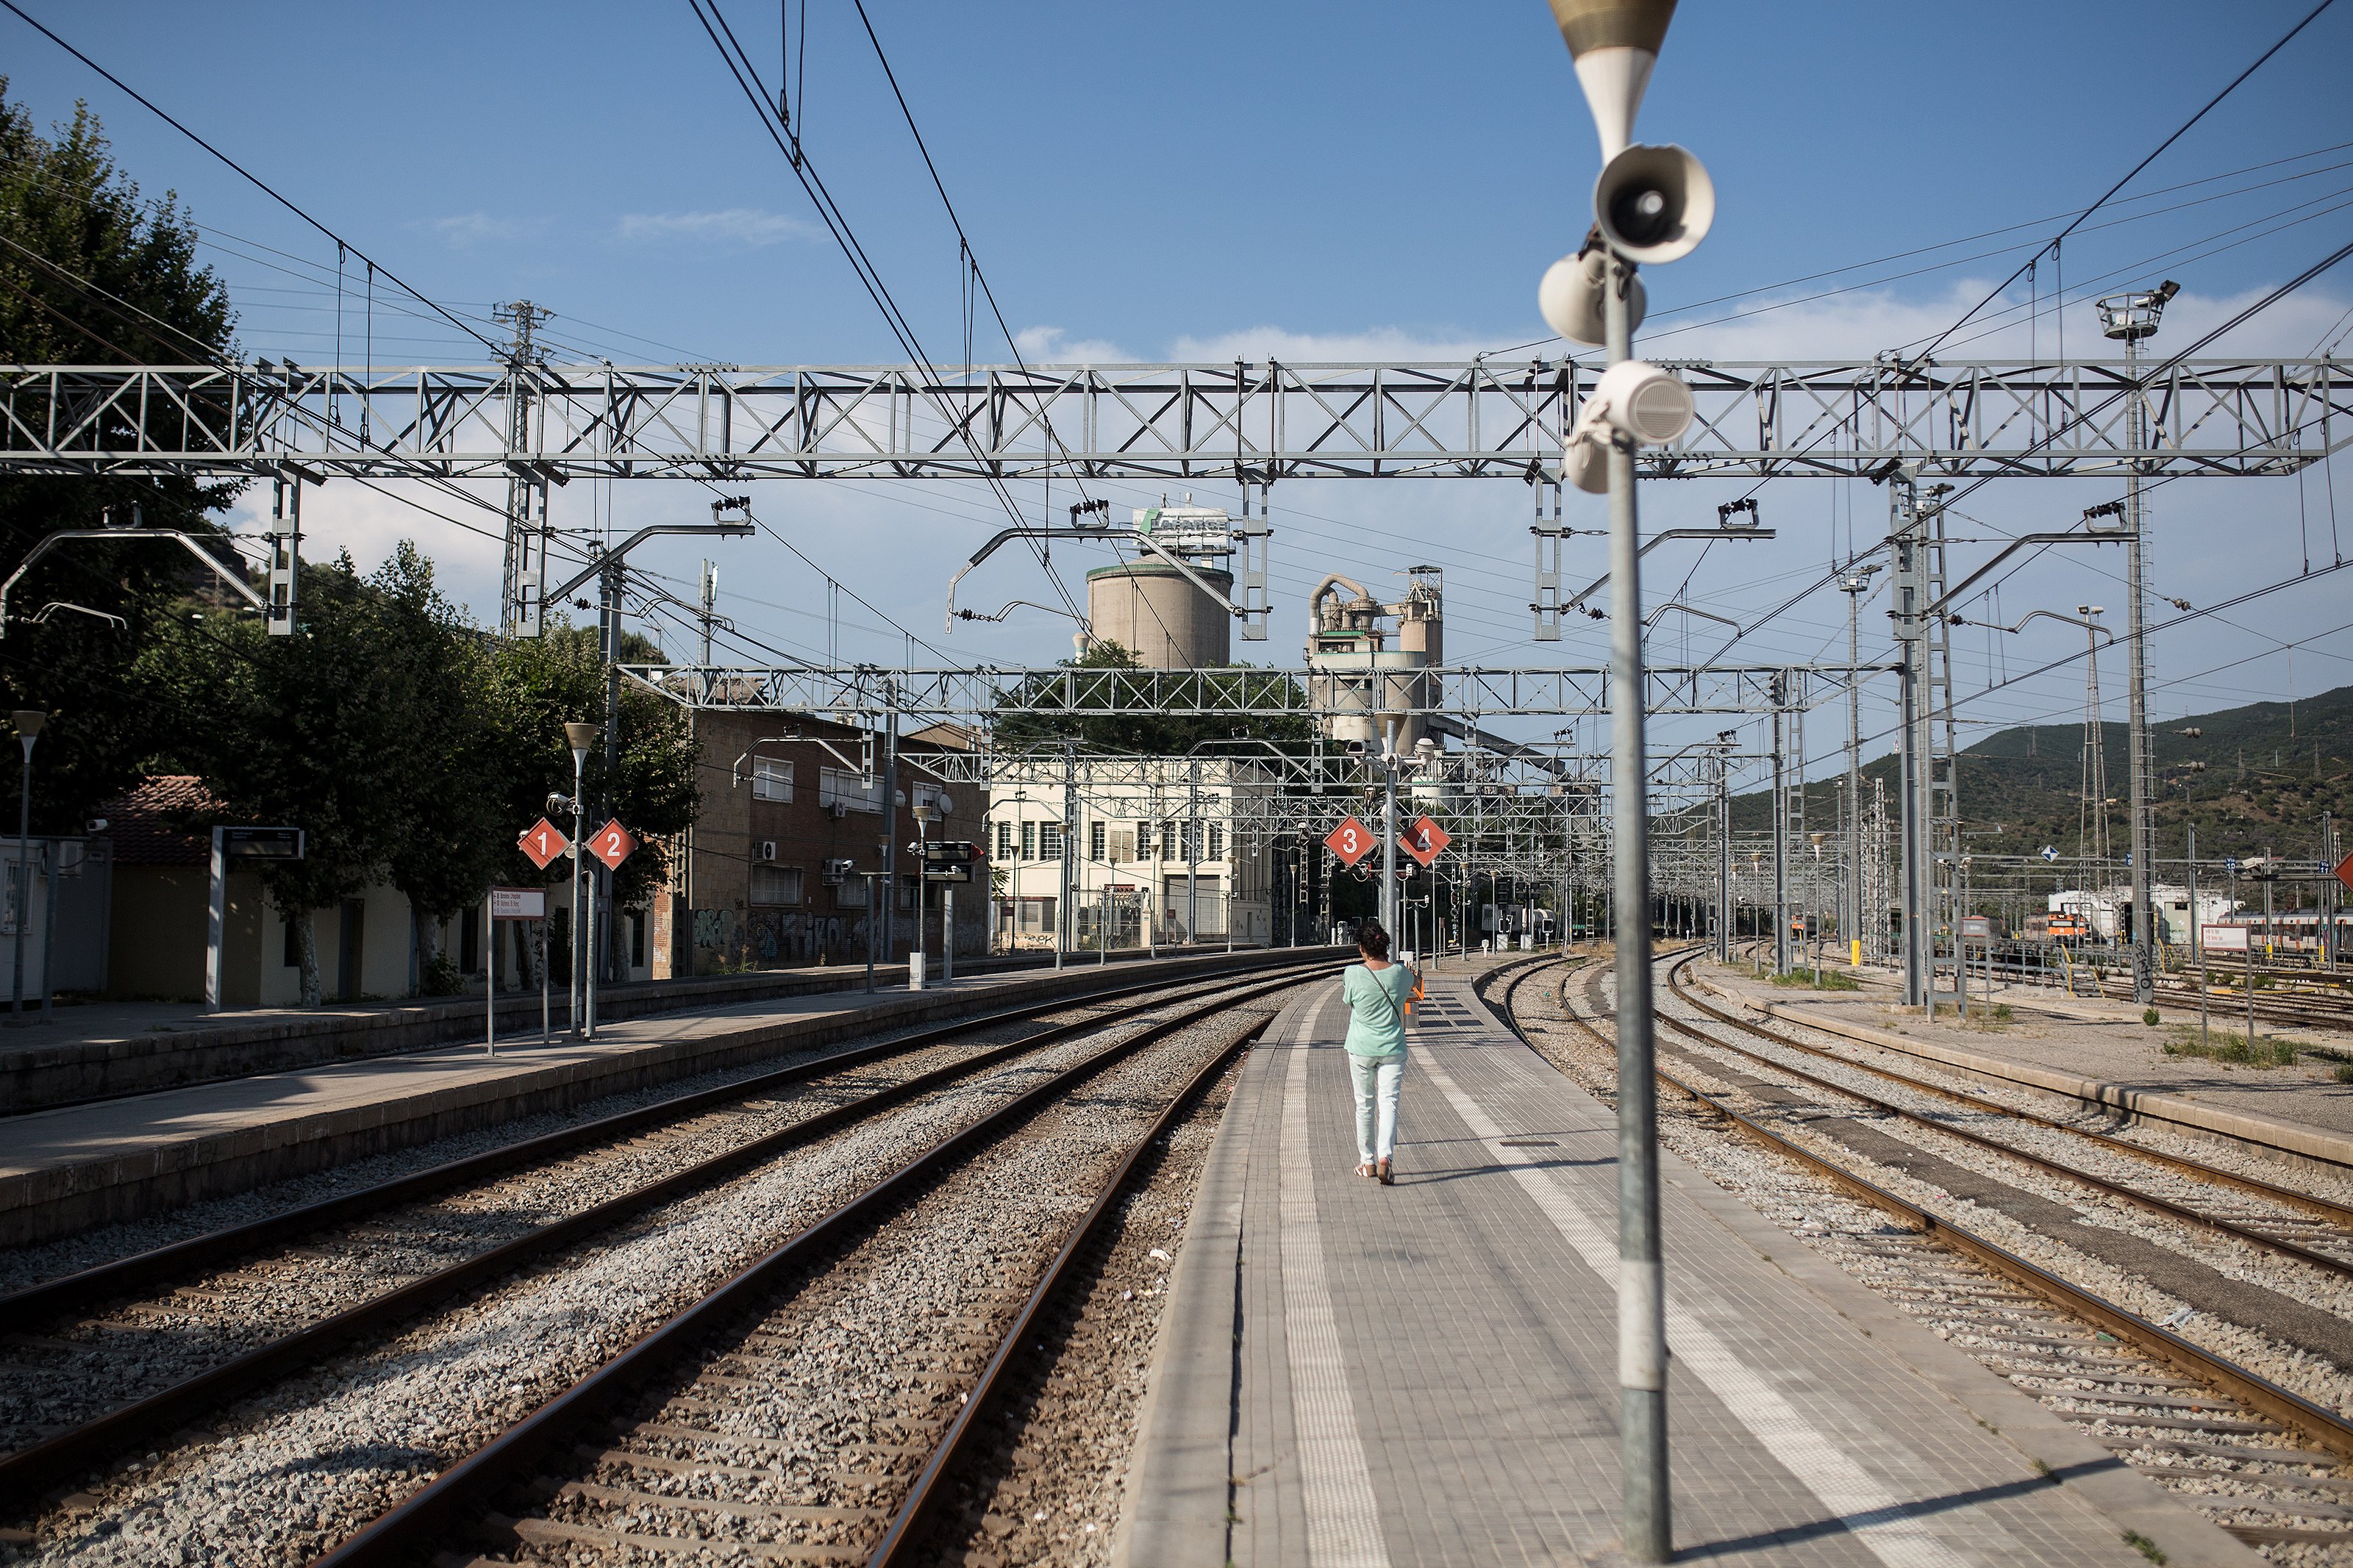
x,y
1371,939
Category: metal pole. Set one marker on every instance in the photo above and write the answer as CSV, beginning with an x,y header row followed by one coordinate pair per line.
x,y
1852,838
24,895
1193,853
1103,933
490,973
2143,830
1065,918
51,868
547,1004
1723,861
947,933
2197,935
869,878
890,826
1389,828
579,861
215,921
1781,841
915,957
1646,1533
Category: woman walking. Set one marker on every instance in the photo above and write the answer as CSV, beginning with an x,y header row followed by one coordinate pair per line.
x,y
1376,992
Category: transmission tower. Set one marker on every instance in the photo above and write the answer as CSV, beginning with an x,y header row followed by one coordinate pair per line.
x,y
524,584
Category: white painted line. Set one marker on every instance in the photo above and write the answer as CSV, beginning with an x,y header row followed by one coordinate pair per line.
x,y
1344,1519
1874,1515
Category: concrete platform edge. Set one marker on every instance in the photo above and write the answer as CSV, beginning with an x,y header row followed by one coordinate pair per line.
x,y
1176,1489
2090,1475
66,1197
2155,1104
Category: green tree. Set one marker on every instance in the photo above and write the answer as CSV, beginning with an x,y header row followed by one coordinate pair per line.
x,y
91,273
319,731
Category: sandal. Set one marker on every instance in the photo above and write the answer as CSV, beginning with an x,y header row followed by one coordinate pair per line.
x,y
1387,1178
1366,1171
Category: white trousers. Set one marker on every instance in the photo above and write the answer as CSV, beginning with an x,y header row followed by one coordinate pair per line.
x,y
1376,1080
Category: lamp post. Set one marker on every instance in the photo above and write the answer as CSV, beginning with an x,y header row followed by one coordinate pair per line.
x,y
1650,204
28,721
924,814
582,738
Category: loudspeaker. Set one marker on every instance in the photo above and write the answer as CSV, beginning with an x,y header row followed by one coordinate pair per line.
x,y
1570,296
1654,204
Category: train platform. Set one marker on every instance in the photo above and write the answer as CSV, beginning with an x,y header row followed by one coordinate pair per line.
x,y
2087,1049
1426,1373
70,1168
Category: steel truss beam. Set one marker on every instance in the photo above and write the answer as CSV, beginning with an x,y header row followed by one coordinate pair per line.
x,y
1250,422
1467,693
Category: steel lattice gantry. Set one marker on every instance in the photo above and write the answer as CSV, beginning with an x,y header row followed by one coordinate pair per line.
x,y
1253,422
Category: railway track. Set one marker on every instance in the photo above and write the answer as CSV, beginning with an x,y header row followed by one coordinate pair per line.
x,y
181,1320
819,1404
2225,1000
2264,1459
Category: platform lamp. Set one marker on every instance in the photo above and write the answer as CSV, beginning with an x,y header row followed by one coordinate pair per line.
x,y
1650,204
582,738
28,721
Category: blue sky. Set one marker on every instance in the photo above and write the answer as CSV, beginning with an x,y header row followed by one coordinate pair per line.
x,y
1310,180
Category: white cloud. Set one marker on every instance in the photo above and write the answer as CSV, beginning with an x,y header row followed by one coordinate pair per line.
x,y
735,226
467,230
1263,342
1052,345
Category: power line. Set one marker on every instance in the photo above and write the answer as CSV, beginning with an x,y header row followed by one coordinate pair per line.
x,y
256,180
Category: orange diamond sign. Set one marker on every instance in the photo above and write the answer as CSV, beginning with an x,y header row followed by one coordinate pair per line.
x,y
1424,840
2345,870
542,841
612,844
1351,841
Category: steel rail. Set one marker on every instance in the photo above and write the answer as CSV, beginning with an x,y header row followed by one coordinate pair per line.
x,y
19,1309
403,1530
2340,1213
899,1543
26,1471
2182,992
2149,1201
2258,1393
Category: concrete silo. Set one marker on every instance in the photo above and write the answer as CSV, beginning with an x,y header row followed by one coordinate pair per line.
x,y
1152,609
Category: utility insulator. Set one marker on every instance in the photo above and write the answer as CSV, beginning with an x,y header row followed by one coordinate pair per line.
x,y
285,554
1252,532
1547,604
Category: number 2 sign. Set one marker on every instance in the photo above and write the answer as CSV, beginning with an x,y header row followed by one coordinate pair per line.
x,y
612,844
1350,841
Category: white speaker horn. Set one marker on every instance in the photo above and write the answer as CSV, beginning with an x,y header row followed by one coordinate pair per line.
x,y
1570,297
1654,204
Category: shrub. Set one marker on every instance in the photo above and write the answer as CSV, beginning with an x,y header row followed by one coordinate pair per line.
x,y
2149,1016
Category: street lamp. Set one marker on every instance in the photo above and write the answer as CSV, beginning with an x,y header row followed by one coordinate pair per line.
x,y
924,814
28,721
582,738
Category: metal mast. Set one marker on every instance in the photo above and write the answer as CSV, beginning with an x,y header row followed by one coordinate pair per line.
x,y
2132,316
524,588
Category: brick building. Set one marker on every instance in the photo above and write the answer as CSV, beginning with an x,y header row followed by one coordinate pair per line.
x,y
781,796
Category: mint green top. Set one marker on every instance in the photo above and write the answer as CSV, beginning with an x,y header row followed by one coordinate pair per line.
x,y
1376,1009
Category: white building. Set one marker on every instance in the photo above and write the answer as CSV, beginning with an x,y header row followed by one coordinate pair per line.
x,y
2106,913
1181,854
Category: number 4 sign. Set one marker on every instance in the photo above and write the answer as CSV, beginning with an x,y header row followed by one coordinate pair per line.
x,y
612,844
1424,840
1350,841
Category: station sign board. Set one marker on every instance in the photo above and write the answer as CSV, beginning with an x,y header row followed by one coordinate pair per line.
x,y
261,843
518,903
949,859
1425,840
1351,841
612,844
542,841
2224,938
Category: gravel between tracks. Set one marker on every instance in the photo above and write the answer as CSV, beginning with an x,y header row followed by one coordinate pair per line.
x,y
303,1465
1973,1307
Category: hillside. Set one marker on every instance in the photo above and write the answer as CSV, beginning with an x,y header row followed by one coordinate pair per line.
x,y
2272,770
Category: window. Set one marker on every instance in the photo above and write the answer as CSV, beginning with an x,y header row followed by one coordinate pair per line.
x,y
840,786
1004,841
1029,841
1168,839
851,894
1034,916
1049,841
1123,844
936,796
776,884
772,779
1098,840
1217,841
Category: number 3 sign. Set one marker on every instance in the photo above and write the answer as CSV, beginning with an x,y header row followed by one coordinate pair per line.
x,y
612,844
1349,841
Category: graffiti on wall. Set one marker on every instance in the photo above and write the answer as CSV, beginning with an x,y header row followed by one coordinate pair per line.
x,y
728,940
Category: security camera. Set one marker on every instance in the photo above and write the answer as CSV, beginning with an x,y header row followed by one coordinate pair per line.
x,y
96,825
558,801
